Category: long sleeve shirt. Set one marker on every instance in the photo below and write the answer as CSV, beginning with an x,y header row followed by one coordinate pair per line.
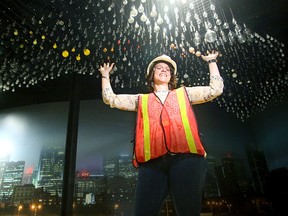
x,y
196,95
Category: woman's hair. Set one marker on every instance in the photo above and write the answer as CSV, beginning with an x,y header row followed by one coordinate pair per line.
x,y
150,77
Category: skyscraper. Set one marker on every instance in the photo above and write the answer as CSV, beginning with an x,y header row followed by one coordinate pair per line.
x,y
3,161
121,182
110,167
91,185
211,188
12,177
119,166
50,169
126,168
258,167
227,177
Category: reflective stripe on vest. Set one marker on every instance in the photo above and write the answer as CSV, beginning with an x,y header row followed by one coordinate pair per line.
x,y
186,125
146,127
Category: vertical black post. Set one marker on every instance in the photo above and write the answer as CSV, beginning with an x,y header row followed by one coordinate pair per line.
x,y
71,149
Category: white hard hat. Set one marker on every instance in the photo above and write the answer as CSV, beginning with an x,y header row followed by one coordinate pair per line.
x,y
163,58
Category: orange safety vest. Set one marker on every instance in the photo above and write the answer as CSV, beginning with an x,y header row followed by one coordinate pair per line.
x,y
169,127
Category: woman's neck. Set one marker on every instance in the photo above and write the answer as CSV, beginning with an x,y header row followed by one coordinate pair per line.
x,y
161,88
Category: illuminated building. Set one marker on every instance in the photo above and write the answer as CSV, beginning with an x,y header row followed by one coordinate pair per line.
x,y
120,166
50,170
12,177
23,194
126,168
27,178
121,182
89,188
110,167
3,161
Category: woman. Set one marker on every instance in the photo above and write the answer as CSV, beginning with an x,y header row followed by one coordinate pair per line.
x,y
168,150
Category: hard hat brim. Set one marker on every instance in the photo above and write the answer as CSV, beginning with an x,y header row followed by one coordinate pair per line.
x,y
163,58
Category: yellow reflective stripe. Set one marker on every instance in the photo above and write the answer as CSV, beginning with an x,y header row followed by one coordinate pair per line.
x,y
188,132
146,127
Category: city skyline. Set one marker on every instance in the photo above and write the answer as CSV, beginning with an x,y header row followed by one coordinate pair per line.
x,y
51,163
24,130
116,186
102,131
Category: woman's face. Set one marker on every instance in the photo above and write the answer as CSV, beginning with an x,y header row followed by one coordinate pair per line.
x,y
162,73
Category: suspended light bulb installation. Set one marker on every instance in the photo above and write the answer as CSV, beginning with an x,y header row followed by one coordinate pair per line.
x,y
53,43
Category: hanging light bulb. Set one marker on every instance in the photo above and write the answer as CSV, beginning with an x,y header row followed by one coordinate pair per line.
x,y
159,20
191,50
241,38
208,25
198,53
197,38
65,53
131,20
156,28
237,28
166,8
223,36
86,52
182,37
153,12
199,21
212,7
225,25
133,12
141,9
176,31
166,18
147,21
191,6
188,17
136,25
218,22
205,14
143,17
231,37
210,36
248,33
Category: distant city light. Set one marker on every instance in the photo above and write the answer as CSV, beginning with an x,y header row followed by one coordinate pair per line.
x,y
12,128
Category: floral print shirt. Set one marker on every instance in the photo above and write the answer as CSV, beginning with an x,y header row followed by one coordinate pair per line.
x,y
196,95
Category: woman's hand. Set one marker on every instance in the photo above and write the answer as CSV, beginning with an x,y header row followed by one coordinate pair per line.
x,y
106,68
213,55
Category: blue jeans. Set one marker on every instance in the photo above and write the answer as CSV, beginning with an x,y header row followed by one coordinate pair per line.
x,y
182,175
